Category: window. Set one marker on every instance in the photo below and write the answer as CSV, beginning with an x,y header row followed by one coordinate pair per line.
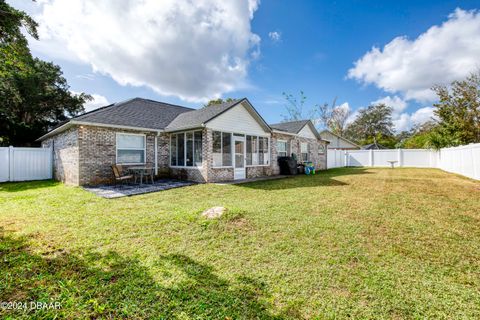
x,y
252,150
304,151
282,148
186,149
321,149
257,151
222,149
130,148
263,154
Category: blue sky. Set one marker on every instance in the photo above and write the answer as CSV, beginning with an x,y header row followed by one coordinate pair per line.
x,y
181,53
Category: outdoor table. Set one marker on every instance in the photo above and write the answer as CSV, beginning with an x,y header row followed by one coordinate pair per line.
x,y
392,163
140,170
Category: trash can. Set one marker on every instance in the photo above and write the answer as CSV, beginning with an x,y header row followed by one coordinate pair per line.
x,y
288,165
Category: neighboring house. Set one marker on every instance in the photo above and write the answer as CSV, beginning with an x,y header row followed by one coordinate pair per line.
x,y
217,143
338,142
373,146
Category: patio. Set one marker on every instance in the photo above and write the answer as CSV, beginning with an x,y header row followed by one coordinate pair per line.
x,y
126,190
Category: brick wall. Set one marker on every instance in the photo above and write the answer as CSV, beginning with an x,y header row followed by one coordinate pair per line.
x,y
319,160
97,149
65,156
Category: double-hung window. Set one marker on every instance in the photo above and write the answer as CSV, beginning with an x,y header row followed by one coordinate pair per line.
x,y
186,149
282,148
130,148
304,151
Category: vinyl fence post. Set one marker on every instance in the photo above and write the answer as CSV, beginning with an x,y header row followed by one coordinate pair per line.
x,y
371,158
400,157
346,158
10,164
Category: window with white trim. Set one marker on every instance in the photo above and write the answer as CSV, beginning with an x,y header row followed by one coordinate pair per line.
x,y
222,149
282,148
186,149
304,151
130,148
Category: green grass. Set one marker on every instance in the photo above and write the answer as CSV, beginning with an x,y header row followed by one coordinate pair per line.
x,y
359,243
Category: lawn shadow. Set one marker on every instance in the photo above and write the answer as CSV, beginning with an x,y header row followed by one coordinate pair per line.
x,y
326,178
94,285
27,185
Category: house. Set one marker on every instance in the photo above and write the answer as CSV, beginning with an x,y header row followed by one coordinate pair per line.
x,y
338,142
217,143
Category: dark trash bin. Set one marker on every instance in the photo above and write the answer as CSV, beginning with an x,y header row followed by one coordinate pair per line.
x,y
288,165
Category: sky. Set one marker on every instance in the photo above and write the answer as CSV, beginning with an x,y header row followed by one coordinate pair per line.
x,y
188,52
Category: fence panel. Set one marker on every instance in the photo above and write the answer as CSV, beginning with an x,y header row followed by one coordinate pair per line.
x,y
4,164
358,158
464,160
419,158
23,164
335,158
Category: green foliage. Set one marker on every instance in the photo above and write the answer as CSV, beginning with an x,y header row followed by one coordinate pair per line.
x,y
218,101
458,112
294,107
33,93
373,122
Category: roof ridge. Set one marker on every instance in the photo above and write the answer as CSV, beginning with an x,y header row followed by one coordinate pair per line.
x,y
167,103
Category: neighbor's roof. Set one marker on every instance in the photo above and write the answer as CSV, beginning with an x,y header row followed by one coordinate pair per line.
x,y
373,146
336,135
291,126
135,112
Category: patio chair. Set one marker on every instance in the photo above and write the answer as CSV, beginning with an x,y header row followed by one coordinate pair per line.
x,y
118,174
150,173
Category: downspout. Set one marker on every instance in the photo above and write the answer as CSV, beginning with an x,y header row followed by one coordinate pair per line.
x,y
156,153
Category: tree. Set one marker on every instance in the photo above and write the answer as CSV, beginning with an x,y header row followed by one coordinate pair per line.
x,y
323,115
294,107
458,112
218,101
34,96
372,124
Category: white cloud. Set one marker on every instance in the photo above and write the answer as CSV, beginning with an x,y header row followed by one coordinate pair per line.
x,y
97,102
193,50
442,54
275,36
397,103
422,115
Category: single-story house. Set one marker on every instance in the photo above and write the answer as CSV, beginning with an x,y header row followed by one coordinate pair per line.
x,y
338,142
216,143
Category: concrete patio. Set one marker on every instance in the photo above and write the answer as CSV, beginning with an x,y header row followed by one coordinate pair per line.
x,y
126,190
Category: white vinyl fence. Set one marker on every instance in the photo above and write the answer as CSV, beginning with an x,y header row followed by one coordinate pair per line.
x,y
23,164
464,160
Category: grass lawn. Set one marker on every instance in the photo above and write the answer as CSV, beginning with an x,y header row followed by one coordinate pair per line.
x,y
350,242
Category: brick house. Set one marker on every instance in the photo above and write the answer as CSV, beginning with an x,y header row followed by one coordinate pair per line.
x,y
217,143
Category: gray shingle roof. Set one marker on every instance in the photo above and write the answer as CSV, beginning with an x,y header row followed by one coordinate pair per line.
x,y
291,126
137,112
198,117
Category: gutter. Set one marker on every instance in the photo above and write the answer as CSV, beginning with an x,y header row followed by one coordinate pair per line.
x,y
94,124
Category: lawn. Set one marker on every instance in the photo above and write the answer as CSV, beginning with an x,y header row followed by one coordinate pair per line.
x,y
360,243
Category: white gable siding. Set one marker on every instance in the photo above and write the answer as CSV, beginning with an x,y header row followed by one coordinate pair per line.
x,y
237,119
306,132
337,142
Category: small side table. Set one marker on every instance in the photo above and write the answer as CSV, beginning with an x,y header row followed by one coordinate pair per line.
x,y
392,163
